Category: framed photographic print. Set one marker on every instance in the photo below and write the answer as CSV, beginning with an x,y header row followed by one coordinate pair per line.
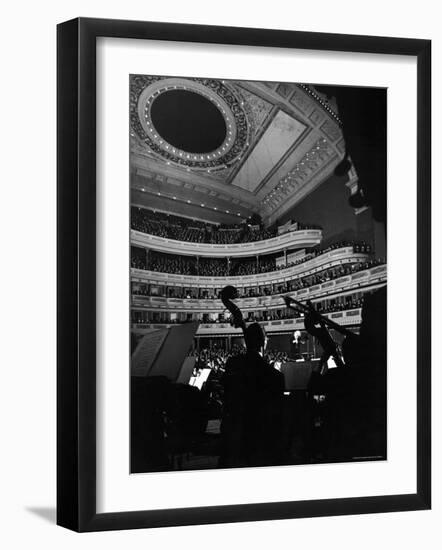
x,y
233,205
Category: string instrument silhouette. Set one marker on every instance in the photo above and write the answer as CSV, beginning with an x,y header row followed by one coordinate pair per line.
x,y
309,309
227,294
318,325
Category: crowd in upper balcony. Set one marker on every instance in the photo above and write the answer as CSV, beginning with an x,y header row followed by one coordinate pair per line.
x,y
329,275
342,306
167,263
223,267
196,231
276,315
265,290
324,306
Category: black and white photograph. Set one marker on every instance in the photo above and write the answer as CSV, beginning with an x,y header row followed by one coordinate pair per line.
x,y
258,273
218,297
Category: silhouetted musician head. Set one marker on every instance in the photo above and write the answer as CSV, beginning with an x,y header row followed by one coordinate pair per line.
x,y
255,338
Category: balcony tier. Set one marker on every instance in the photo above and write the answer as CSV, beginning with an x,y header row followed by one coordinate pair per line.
x,y
372,278
351,317
333,258
305,238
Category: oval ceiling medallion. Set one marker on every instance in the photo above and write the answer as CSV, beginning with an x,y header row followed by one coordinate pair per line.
x,y
188,121
196,123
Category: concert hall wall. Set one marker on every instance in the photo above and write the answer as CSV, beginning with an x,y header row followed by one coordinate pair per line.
x,y
327,206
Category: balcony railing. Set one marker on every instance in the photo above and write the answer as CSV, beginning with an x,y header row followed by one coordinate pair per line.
x,y
329,259
350,317
372,277
305,238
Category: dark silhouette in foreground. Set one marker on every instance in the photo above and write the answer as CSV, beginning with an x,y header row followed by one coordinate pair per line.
x,y
251,429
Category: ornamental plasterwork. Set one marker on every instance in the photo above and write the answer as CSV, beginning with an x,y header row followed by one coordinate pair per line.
x,y
284,90
329,105
331,130
314,107
302,102
143,90
301,172
316,116
257,109
246,108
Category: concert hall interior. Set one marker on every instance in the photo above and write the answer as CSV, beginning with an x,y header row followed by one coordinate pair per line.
x,y
279,191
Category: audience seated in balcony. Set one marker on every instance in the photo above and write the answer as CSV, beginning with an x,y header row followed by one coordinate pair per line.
x,y
325,306
185,229
218,267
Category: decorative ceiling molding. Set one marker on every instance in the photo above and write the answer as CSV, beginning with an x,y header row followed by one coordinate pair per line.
x,y
144,89
329,105
302,171
258,109
249,110
151,169
187,199
286,198
280,138
266,122
294,154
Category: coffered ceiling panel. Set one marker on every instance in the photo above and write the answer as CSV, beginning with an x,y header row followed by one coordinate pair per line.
x,y
280,137
229,147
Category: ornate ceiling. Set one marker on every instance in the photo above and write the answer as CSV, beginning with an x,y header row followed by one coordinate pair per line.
x,y
273,143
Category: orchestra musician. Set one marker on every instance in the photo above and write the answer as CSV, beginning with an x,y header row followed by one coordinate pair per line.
x,y
356,391
251,428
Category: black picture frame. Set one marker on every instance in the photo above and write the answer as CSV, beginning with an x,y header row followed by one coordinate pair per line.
x,y
76,273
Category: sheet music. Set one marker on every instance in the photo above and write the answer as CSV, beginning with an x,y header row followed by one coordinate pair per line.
x,y
163,352
146,352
